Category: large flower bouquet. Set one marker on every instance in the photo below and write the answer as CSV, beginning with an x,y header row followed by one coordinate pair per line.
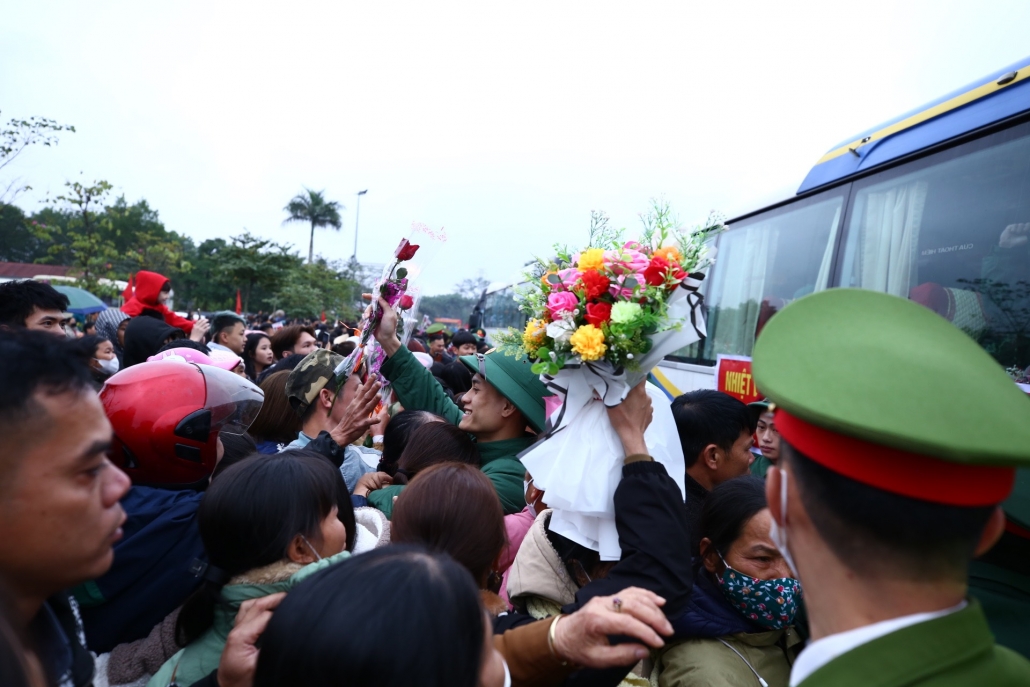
x,y
599,320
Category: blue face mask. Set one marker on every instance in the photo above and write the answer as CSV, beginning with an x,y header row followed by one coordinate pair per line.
x,y
769,603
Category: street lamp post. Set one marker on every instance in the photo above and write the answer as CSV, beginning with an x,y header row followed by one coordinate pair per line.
x,y
357,214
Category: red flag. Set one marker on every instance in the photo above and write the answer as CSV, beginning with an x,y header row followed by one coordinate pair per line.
x,y
127,293
323,317
239,304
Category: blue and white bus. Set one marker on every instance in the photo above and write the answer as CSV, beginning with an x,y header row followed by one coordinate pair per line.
x,y
933,206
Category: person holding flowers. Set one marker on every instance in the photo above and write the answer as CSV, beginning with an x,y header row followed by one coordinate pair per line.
x,y
598,321
505,401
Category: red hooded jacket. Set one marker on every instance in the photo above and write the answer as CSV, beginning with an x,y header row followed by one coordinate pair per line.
x,y
148,288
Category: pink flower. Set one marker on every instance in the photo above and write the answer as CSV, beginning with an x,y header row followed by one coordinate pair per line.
x,y
561,301
620,289
627,260
568,277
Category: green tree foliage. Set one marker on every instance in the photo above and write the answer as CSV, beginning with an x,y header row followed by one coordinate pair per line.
x,y
312,207
453,305
17,242
86,245
100,238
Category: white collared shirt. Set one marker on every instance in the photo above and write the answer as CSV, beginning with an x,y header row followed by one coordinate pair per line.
x,y
822,651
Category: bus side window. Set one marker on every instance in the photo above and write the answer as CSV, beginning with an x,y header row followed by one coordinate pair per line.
x,y
951,232
763,263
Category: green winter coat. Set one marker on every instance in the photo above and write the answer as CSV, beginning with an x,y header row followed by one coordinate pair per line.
x,y
200,658
417,389
704,661
957,650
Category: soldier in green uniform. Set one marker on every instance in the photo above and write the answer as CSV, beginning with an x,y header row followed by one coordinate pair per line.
x,y
900,437
505,399
767,439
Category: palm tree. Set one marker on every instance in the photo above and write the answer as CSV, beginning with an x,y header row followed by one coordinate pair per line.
x,y
314,208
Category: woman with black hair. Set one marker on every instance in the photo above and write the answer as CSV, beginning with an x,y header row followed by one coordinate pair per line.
x,y
320,635
99,353
257,355
738,628
267,523
396,436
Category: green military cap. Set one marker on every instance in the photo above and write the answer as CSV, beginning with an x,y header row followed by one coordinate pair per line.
x,y
310,377
757,408
886,392
514,379
436,327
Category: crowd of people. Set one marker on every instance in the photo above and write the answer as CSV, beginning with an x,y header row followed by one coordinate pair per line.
x,y
205,502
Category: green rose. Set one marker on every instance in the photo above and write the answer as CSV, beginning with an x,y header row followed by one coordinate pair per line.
x,y
625,312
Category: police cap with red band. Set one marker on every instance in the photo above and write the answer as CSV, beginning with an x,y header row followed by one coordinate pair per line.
x,y
888,393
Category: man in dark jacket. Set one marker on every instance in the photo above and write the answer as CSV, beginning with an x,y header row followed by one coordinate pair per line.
x,y
59,508
716,433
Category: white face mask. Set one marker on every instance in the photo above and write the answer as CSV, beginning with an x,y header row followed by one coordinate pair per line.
x,y
109,366
779,534
525,493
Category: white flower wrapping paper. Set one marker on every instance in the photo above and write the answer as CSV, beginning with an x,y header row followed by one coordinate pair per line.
x,y
579,463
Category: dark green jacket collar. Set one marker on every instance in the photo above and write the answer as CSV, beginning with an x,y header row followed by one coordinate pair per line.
x,y
917,654
506,448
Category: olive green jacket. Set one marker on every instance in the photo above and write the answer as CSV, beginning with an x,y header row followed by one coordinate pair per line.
x,y
957,650
417,389
704,661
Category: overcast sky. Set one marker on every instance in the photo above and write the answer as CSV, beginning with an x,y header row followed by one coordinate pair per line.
x,y
505,124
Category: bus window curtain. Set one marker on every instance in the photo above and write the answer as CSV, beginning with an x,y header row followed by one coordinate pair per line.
x,y
822,279
890,238
742,287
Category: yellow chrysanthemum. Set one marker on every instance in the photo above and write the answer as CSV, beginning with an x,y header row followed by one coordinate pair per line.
x,y
591,259
588,342
535,330
670,254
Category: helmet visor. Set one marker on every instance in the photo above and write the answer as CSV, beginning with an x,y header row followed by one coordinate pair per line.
x,y
234,401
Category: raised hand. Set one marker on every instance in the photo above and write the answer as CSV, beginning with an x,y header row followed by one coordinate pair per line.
x,y
386,332
200,329
240,655
1014,235
358,417
631,417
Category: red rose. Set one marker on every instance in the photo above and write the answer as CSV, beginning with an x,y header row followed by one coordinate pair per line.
x,y
599,313
595,283
406,302
405,251
655,272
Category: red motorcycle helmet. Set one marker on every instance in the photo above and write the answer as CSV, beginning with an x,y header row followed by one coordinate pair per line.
x,y
167,415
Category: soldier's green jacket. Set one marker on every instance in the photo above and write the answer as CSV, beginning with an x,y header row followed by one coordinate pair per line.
x,y
417,389
957,650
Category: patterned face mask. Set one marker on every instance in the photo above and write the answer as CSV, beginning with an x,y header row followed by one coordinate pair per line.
x,y
770,603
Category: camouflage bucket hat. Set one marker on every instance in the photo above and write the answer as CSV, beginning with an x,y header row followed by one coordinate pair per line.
x,y
310,377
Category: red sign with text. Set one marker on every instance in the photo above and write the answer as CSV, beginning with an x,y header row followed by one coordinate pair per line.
x,y
733,376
